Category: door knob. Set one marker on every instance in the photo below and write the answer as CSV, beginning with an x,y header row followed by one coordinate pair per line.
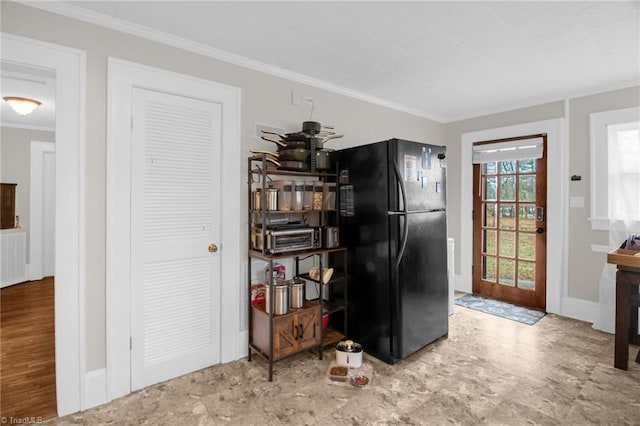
x,y
539,230
213,248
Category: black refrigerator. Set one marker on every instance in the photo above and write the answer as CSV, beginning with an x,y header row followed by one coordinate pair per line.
x,y
392,217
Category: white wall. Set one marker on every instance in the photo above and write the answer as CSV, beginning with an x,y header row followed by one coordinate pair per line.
x,y
15,167
265,99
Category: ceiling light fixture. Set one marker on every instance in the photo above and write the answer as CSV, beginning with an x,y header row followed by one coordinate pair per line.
x,y
22,106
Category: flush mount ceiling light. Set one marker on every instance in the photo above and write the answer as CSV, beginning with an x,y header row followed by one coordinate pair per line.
x,y
22,106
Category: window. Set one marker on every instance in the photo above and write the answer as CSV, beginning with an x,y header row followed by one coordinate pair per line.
x,y
624,171
615,166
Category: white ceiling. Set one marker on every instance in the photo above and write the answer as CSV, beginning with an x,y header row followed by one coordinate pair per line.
x,y
442,60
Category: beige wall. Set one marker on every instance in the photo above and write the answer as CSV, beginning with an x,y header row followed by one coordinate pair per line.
x,y
265,99
454,132
15,154
585,266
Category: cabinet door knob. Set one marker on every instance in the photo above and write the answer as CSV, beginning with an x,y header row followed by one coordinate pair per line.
x,y
213,248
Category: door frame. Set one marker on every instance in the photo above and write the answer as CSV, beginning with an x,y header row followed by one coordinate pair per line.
x,y
36,220
537,298
70,134
122,76
557,209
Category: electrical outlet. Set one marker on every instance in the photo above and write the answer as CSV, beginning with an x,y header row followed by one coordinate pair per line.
x,y
296,97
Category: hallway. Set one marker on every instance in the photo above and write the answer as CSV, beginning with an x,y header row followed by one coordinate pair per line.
x,y
27,343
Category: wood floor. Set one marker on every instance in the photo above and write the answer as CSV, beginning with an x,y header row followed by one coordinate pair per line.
x,y
27,347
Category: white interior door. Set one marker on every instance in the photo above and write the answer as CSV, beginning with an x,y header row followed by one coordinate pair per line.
x,y
42,210
175,218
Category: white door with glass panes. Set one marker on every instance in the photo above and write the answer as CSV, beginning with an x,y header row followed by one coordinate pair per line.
x,y
175,226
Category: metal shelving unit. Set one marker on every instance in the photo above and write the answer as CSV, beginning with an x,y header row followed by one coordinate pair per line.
x,y
332,296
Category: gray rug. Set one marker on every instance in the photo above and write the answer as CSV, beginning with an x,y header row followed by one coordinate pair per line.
x,y
499,309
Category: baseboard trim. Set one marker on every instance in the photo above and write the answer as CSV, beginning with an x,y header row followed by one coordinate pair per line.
x,y
243,344
459,285
579,309
95,388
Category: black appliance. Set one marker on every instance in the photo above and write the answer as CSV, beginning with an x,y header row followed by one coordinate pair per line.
x,y
393,221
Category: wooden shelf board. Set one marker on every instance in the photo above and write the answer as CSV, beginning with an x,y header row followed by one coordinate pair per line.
x,y
622,257
258,254
331,337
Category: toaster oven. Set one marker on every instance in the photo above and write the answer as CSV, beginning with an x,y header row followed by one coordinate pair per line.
x,y
283,241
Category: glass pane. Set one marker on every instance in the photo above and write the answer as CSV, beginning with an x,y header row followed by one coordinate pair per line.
x,y
527,188
507,243
526,275
527,246
506,167
526,166
507,216
527,218
490,168
489,268
490,215
490,192
507,188
506,271
489,242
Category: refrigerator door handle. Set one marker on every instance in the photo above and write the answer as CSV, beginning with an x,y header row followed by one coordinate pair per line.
x,y
403,244
403,213
396,171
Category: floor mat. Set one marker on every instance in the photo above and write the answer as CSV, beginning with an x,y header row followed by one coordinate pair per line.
x,y
500,309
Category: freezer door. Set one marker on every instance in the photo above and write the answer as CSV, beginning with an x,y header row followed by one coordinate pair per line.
x,y
419,169
419,283
366,234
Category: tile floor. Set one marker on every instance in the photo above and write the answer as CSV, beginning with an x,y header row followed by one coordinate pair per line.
x,y
488,371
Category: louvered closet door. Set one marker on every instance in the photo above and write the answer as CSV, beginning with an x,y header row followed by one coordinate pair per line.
x,y
175,189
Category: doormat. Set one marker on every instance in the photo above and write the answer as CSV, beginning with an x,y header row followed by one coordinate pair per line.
x,y
499,309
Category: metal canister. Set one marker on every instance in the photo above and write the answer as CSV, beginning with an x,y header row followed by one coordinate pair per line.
x,y
296,293
330,237
256,199
271,198
280,290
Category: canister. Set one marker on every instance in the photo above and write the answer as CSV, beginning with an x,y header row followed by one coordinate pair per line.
x,y
296,293
297,195
271,198
256,199
316,202
330,237
280,292
307,203
284,193
329,196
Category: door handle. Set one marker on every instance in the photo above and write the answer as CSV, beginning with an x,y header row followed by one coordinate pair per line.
x,y
213,248
539,230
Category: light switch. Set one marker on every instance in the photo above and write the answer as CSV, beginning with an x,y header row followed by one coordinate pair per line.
x,y
576,202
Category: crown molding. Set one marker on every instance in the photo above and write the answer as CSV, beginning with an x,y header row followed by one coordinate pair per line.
x,y
545,100
85,15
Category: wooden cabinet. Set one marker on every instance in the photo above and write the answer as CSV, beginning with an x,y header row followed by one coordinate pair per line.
x,y
8,203
292,332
